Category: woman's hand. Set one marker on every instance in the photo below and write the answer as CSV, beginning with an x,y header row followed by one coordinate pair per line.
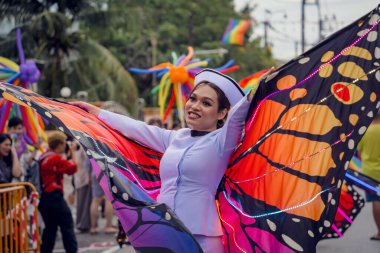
x,y
73,150
272,69
39,142
13,151
92,109
16,169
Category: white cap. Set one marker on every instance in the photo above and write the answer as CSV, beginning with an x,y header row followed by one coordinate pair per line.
x,y
229,86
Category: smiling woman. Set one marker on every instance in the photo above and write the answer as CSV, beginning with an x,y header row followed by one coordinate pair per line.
x,y
207,108
195,158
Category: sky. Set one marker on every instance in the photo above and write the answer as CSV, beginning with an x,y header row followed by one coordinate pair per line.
x,y
285,18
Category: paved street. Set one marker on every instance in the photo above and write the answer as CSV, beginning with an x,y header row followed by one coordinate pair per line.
x,y
355,240
357,237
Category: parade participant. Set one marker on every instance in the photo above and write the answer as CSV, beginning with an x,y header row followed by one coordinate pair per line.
x,y
9,163
369,151
53,207
195,158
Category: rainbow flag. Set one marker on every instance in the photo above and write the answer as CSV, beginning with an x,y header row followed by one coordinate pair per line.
x,y
252,82
235,31
355,164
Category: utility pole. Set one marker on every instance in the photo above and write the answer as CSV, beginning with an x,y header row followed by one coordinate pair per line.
x,y
303,26
266,26
320,22
304,3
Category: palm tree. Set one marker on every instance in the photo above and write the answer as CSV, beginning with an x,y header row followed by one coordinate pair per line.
x,y
67,56
22,10
73,60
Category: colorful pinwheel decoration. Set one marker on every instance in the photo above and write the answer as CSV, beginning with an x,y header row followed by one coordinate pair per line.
x,y
177,80
24,75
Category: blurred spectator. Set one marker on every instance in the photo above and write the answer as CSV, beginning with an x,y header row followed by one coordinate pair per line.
x,y
53,207
97,198
28,155
16,130
68,180
30,166
155,122
83,191
176,125
9,163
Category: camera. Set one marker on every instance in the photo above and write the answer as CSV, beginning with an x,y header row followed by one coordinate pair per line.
x,y
68,144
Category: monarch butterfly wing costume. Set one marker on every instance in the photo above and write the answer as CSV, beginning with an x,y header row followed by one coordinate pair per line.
x,y
351,201
350,204
127,172
281,190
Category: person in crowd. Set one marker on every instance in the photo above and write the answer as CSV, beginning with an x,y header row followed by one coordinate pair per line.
x,y
83,191
53,207
30,166
176,125
155,122
9,162
16,130
98,198
369,152
27,154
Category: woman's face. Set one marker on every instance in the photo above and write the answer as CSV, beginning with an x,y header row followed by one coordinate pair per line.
x,y
201,109
19,129
5,147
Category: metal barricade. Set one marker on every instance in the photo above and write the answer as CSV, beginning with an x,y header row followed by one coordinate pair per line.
x,y
19,229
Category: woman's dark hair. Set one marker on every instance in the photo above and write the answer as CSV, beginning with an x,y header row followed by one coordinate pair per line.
x,y
223,102
14,121
7,159
156,122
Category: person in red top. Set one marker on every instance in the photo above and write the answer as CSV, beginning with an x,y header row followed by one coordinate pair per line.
x,y
53,207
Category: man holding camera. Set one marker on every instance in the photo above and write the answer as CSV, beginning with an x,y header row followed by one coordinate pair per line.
x,y
53,207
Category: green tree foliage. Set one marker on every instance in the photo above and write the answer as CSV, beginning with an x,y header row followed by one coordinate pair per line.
x,y
138,33
144,33
113,82
22,10
69,58
128,27
75,61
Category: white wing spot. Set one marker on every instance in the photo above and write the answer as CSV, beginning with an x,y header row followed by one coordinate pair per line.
x,y
362,130
351,144
48,114
125,196
271,225
168,216
372,36
304,60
